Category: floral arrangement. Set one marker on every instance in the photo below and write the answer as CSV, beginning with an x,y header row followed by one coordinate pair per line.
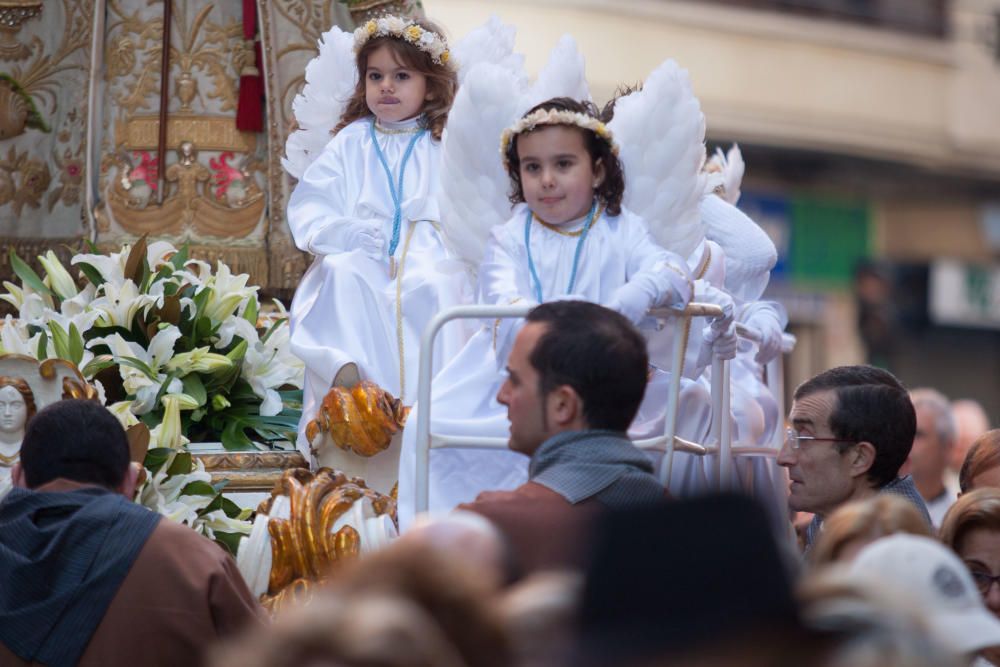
x,y
427,41
173,349
554,117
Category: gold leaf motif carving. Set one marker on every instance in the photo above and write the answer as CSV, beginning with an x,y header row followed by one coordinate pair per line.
x,y
305,549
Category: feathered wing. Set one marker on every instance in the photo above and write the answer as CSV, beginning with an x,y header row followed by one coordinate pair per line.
x,y
330,80
473,182
492,42
661,133
730,168
474,185
564,75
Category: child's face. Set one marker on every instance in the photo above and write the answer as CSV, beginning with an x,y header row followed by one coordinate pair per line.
x,y
557,175
393,92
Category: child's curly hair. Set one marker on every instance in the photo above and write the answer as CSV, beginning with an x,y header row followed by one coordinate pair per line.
x,y
442,81
609,193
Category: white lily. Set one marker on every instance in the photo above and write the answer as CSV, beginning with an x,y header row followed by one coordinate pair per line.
x,y
122,410
57,277
217,520
14,338
170,434
158,253
110,266
120,303
234,325
270,365
228,293
79,303
199,360
136,382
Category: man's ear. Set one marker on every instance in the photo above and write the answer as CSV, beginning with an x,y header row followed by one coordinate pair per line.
x,y
862,458
564,406
131,480
17,476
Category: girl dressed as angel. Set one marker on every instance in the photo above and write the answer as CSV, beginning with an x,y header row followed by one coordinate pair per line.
x,y
569,237
367,209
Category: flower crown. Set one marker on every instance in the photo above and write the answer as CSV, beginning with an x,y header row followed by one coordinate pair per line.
x,y
427,41
554,117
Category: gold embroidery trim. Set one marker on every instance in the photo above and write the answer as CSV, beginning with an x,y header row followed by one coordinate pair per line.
x,y
8,461
555,228
402,130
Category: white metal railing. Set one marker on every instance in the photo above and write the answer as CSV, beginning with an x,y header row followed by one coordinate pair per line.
x,y
669,443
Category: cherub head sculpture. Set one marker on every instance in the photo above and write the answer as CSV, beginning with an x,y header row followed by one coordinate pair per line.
x,y
17,406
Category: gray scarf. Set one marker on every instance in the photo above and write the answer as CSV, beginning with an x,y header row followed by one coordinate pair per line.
x,y
595,464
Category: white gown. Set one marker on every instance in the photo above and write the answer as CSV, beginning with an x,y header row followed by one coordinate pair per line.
x,y
617,249
348,308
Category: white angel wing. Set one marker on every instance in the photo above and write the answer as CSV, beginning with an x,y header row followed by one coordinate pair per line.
x,y
492,42
661,133
473,182
564,75
330,80
730,167
750,253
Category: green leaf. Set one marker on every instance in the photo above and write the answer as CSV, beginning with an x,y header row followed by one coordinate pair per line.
x,y
181,465
155,458
98,364
237,353
43,346
195,388
198,488
60,340
93,275
232,510
229,541
27,274
181,257
138,364
75,345
252,310
234,438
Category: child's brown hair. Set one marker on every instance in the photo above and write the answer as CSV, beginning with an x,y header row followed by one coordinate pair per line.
x,y
442,81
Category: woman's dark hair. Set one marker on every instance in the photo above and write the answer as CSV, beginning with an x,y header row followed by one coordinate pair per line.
x,y
442,81
609,193
598,353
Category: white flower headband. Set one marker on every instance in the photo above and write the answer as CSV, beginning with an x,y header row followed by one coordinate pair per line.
x,y
427,41
554,117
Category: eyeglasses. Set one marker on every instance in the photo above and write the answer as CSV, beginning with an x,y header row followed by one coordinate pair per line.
x,y
794,439
984,580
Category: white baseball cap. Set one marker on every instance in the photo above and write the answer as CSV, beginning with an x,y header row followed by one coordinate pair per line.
x,y
938,583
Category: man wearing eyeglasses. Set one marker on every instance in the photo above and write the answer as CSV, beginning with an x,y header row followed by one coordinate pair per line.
x,y
852,428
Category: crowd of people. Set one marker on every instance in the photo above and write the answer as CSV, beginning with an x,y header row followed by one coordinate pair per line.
x,y
588,563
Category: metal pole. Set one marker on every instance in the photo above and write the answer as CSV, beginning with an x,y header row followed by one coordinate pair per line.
x,y
161,145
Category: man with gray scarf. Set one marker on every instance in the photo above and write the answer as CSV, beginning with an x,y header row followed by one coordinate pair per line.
x,y
575,378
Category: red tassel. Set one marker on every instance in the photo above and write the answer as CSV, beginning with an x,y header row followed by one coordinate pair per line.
x,y
250,108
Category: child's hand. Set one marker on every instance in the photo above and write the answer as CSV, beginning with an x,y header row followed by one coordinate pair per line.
x,y
632,301
369,239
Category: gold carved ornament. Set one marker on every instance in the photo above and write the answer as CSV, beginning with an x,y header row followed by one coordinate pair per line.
x,y
304,548
360,419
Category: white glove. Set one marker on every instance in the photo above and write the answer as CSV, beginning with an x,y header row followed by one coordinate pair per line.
x,y
632,301
367,238
768,321
719,338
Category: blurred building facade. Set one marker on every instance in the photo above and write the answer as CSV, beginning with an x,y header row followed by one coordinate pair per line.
x,y
871,133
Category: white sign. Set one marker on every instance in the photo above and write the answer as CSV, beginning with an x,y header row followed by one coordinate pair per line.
x,y
965,294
